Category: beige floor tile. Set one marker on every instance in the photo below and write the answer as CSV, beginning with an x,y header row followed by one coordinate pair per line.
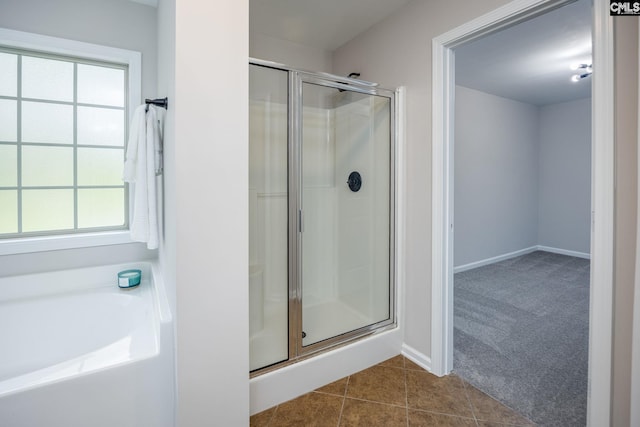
x,y
379,384
488,409
430,419
262,419
310,410
379,396
408,364
337,387
394,362
358,413
444,395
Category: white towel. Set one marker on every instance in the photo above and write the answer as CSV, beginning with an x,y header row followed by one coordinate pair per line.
x,y
143,160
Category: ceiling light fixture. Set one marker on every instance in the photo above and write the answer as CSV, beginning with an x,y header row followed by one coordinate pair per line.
x,y
585,71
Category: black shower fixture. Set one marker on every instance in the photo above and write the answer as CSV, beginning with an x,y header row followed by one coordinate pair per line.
x,y
355,181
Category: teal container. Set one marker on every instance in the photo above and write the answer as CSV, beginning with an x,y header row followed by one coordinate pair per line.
x,y
129,278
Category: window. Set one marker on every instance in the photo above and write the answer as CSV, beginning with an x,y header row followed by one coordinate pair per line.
x,y
64,107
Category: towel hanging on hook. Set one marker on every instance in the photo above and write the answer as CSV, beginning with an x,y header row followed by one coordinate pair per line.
x,y
143,162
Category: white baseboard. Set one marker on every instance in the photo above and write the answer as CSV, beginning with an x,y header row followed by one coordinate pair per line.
x,y
416,357
564,252
520,252
494,259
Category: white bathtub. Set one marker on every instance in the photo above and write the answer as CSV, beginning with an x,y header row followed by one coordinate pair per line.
x,y
76,350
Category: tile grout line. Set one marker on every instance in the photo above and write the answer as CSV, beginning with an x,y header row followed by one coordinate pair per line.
x,y
272,416
406,389
344,398
377,402
466,394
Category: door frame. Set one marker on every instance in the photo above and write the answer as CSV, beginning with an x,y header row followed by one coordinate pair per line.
x,y
602,190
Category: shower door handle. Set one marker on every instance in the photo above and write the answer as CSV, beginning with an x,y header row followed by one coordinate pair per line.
x,y
300,220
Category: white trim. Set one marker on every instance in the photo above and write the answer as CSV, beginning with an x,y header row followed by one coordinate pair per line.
x,y
56,45
601,310
493,260
525,251
602,206
576,254
442,210
416,357
401,203
25,245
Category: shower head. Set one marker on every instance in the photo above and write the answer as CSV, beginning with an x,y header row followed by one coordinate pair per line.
x,y
351,76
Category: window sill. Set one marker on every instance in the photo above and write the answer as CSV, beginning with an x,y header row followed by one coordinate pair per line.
x,y
67,241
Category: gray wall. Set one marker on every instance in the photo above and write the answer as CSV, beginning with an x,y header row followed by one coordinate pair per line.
x,y
522,176
564,214
289,53
496,176
397,52
115,23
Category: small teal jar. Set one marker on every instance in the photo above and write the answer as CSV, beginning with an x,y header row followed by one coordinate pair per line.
x,y
129,278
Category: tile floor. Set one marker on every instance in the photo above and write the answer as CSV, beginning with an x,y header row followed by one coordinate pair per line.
x,y
396,392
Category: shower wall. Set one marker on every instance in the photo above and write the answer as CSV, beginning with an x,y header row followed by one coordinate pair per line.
x,y
320,250
346,237
363,233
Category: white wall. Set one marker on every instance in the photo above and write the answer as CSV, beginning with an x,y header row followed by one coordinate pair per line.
x,y
289,53
496,176
167,207
211,207
115,23
522,176
395,52
166,87
565,176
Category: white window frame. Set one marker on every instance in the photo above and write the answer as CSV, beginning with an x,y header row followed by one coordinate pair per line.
x,y
55,45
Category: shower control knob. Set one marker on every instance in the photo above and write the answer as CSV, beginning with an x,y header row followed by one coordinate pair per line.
x,y
355,181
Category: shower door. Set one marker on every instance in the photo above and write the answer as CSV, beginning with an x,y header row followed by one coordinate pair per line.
x,y
345,211
321,206
268,218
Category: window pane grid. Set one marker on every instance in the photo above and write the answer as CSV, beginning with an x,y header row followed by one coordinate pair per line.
x,y
105,214
19,142
75,145
71,103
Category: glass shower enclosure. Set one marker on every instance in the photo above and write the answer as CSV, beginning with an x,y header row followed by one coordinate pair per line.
x,y
321,212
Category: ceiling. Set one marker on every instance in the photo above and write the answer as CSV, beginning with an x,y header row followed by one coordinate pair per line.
x,y
529,62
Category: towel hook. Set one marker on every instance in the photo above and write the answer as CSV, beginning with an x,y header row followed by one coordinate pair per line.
x,y
160,102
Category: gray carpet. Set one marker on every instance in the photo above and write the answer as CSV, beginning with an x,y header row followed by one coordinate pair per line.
x,y
521,330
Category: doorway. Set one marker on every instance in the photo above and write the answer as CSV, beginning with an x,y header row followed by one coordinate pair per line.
x,y
601,204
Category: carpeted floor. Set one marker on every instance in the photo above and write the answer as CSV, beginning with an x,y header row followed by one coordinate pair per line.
x,y
521,329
